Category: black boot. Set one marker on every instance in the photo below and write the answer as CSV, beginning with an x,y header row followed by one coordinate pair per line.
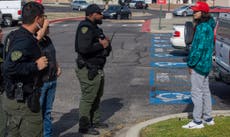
x,y
90,131
100,125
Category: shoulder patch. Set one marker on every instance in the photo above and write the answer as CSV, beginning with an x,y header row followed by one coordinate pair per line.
x,y
15,55
84,29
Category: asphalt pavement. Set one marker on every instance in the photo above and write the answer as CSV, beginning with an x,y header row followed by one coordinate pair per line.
x,y
139,64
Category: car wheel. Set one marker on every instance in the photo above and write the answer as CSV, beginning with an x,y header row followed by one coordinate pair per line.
x,y
184,14
188,32
7,21
118,16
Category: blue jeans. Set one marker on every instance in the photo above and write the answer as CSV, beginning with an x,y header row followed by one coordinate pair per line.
x,y
46,101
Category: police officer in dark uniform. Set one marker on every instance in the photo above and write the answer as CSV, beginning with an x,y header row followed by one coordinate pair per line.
x,y
92,47
2,114
21,68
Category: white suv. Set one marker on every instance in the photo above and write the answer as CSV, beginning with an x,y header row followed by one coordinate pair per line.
x,y
222,49
11,11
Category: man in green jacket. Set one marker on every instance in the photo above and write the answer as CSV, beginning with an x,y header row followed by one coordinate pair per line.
x,y
200,64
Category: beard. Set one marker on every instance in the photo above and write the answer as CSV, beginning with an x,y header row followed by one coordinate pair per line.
x,y
98,21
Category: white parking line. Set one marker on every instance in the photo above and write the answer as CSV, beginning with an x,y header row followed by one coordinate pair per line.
x,y
162,77
65,25
159,50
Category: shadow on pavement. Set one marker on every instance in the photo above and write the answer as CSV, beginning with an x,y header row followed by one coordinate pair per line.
x,y
221,90
67,121
181,52
72,135
109,107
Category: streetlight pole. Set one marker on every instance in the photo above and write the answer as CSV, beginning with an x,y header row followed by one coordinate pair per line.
x,y
168,5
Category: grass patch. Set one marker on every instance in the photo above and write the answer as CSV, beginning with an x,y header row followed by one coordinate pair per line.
x,y
172,128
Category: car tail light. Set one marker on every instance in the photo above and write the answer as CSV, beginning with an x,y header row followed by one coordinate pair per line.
x,y
19,12
176,34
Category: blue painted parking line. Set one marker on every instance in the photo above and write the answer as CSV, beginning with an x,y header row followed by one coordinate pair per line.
x,y
165,56
171,85
162,34
151,77
169,64
172,97
161,41
162,45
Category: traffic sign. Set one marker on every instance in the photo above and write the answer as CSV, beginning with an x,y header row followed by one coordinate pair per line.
x,y
161,1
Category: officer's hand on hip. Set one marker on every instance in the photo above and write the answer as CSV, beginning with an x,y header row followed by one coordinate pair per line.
x,y
104,43
42,63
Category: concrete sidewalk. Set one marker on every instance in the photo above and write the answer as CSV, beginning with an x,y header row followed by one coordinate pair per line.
x,y
167,24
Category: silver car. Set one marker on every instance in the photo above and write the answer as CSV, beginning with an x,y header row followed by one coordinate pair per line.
x,y
79,5
183,11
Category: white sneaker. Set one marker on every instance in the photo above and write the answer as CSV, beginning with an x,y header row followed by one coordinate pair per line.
x,y
209,123
193,125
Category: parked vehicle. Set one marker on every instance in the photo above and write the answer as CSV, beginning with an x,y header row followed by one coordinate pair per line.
x,y
189,28
1,20
79,5
222,49
133,3
141,5
177,38
183,11
117,12
11,11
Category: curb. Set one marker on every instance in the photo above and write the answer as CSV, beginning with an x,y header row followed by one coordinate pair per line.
x,y
134,131
64,19
146,26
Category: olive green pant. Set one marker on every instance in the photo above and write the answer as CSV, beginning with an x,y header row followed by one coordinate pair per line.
x,y
92,91
2,119
21,122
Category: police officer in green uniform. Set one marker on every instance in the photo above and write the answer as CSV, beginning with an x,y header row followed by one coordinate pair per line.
x,y
92,47
2,114
22,66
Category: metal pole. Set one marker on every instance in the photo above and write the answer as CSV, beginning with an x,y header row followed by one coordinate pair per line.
x,y
159,27
169,6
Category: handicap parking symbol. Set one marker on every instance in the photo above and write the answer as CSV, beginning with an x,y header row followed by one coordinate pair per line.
x,y
171,97
166,97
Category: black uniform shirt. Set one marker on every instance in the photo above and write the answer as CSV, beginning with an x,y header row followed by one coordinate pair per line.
x,y
87,43
20,65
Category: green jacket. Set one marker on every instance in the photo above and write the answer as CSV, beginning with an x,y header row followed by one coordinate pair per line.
x,y
200,56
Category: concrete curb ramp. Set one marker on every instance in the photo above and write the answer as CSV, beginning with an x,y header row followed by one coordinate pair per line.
x,y
135,130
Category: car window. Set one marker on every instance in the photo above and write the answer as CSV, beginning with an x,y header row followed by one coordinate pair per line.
x,y
223,29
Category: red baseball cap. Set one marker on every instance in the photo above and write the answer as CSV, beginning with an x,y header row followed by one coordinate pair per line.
x,y
201,6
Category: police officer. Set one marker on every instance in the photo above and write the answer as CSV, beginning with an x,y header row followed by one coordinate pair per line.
x,y
21,68
2,114
92,47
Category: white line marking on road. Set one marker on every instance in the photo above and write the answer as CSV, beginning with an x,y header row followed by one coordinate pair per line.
x,y
65,25
162,77
183,77
159,50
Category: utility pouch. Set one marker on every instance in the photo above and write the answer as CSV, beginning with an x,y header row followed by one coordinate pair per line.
x,y
92,73
80,63
33,101
19,94
9,88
